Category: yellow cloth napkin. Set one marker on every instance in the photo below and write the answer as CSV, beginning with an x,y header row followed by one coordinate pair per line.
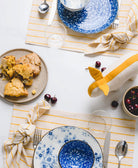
x,y
121,129
14,149
120,36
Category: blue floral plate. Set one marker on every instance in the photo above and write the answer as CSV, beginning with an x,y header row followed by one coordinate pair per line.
x,y
95,17
47,151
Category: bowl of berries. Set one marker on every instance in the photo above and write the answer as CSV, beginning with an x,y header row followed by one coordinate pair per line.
x,y
130,101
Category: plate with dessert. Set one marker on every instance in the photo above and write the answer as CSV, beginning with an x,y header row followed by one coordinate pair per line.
x,y
23,75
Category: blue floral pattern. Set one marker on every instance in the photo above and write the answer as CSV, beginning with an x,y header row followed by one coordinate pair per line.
x,y
76,154
47,151
95,17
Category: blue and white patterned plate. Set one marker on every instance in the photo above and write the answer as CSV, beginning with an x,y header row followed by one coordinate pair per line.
x,y
95,17
47,151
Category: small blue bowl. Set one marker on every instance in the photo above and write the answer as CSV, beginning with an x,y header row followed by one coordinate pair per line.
x,y
74,5
76,154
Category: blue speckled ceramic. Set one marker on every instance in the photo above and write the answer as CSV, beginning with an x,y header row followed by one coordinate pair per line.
x,y
93,18
76,154
47,151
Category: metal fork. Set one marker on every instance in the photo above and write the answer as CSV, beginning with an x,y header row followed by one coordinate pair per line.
x,y
36,139
115,24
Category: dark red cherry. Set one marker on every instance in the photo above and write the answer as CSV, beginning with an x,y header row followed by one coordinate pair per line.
x,y
97,64
47,97
103,69
53,100
114,103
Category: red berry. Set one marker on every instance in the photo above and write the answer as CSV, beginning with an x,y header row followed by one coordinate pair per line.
x,y
130,108
133,98
136,105
114,103
97,64
53,100
104,68
47,97
128,101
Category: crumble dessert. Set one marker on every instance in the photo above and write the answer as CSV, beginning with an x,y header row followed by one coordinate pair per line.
x,y
7,64
15,88
24,72
33,92
33,60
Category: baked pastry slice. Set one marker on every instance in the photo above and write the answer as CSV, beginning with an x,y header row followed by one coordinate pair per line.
x,y
7,64
15,88
33,60
24,72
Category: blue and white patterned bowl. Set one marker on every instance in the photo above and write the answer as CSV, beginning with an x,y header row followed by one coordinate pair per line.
x,y
47,151
74,5
76,154
93,18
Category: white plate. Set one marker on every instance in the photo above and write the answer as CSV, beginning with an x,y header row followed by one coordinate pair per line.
x,y
46,153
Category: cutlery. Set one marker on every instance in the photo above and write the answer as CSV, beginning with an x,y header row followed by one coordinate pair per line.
x,y
121,151
52,12
115,24
43,8
106,148
36,139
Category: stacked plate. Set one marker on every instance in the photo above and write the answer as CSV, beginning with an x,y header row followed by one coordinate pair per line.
x,y
50,151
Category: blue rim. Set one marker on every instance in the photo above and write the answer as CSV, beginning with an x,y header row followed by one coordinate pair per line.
x,y
66,17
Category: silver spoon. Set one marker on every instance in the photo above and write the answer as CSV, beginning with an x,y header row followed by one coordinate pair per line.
x,y
121,151
43,8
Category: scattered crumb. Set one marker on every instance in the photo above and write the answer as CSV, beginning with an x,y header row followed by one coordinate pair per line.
x,y
4,79
33,92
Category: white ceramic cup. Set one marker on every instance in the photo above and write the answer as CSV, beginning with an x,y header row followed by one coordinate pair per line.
x,y
74,5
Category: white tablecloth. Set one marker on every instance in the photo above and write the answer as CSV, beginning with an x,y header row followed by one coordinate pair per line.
x,y
68,79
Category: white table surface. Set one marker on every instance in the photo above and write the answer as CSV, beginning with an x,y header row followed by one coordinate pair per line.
x,y
68,79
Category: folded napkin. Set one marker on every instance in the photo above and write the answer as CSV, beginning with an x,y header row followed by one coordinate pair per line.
x,y
118,37
14,149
